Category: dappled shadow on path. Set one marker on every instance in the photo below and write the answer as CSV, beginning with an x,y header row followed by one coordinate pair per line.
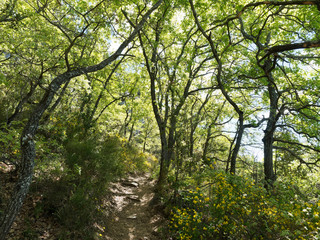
x,y
132,217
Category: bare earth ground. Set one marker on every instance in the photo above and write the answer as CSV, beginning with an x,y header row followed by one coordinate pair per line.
x,y
127,209
133,218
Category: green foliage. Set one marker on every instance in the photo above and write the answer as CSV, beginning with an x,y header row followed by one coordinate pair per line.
x,y
73,186
60,36
10,143
79,213
29,233
91,164
234,208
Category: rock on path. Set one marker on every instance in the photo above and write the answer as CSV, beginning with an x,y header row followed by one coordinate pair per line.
x,y
132,217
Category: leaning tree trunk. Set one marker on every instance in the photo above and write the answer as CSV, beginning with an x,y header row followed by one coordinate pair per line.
x,y
222,88
27,142
27,157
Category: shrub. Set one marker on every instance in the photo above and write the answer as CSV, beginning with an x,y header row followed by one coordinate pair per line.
x,y
235,208
91,164
73,182
10,143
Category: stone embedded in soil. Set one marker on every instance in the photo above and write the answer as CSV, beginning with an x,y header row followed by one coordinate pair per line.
x,y
133,216
155,232
130,184
134,198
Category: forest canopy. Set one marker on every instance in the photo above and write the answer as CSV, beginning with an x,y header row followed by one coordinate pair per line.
x,y
214,90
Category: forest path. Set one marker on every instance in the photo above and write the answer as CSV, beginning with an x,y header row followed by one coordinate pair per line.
x,y
132,216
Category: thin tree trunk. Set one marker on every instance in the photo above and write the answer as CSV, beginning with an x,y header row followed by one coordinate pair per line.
x,y
20,105
268,158
221,87
236,148
27,142
163,163
206,145
131,132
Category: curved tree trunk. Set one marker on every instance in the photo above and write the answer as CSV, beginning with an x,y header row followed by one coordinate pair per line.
x,y
20,105
27,142
27,157
223,90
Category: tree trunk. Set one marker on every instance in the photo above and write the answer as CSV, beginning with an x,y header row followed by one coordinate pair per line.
x,y
165,158
163,174
27,142
21,189
131,132
27,160
236,148
268,158
268,134
206,145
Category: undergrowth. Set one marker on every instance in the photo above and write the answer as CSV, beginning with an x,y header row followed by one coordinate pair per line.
x,y
74,188
231,207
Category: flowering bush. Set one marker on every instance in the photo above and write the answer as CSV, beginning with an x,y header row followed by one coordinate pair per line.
x,y
235,208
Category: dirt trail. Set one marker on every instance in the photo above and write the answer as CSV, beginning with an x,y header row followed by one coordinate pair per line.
x,y
132,217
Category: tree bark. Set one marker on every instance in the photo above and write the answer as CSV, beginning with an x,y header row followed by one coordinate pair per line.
x,y
206,145
27,143
20,105
223,90
236,148
268,136
274,115
163,160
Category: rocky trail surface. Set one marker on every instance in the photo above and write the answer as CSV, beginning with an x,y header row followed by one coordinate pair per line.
x,y
132,216
127,209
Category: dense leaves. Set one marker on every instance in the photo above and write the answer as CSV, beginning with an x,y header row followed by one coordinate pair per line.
x,y
230,207
199,84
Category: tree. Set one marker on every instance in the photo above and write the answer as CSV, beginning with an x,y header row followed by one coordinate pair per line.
x,y
209,71
27,137
223,48
256,28
268,57
176,67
